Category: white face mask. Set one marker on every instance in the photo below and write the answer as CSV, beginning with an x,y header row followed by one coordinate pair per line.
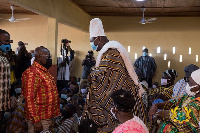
x,y
163,81
188,90
83,91
154,86
113,113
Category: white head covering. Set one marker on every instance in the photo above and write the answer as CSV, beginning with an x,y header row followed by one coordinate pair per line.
x,y
96,28
196,76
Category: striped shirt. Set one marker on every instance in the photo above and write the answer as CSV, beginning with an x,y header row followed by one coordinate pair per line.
x,y
146,66
5,83
68,126
179,89
40,93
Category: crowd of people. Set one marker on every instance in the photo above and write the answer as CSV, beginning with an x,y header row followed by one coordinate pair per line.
x,y
112,95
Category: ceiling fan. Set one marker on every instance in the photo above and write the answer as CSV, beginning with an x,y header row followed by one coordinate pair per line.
x,y
144,21
12,19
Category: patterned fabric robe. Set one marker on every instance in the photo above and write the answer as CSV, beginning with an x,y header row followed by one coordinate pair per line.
x,y
164,93
110,75
184,118
146,66
5,83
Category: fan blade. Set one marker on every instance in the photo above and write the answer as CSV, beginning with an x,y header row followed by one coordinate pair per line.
x,y
23,19
142,22
149,22
3,19
151,19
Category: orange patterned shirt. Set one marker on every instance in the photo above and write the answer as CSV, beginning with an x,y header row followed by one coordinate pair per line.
x,y
40,93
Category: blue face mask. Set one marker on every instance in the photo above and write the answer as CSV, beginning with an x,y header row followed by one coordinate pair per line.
x,y
18,90
144,54
61,106
94,47
5,48
33,55
64,96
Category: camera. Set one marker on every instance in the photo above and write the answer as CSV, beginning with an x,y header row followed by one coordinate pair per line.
x,y
88,57
65,41
20,43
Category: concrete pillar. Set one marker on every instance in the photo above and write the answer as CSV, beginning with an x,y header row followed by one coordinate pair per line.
x,y
52,37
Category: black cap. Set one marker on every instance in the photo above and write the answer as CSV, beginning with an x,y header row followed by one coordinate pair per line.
x,y
90,51
189,69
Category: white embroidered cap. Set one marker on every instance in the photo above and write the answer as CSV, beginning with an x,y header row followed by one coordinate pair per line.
x,y
96,28
196,76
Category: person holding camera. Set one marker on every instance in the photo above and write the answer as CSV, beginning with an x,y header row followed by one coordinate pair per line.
x,y
23,60
87,64
63,64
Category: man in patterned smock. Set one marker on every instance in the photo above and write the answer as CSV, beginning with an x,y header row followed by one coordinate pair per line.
x,y
40,92
113,71
180,115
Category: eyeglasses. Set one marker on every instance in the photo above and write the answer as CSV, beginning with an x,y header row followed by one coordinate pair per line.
x,y
48,56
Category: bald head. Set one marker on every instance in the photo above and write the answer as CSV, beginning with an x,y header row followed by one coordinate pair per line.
x,y
43,57
40,51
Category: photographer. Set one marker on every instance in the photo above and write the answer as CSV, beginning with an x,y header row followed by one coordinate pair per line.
x,y
23,60
63,63
87,64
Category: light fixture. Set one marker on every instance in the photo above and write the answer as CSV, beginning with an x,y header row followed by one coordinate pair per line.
x,y
190,50
143,21
165,56
197,58
174,50
181,58
169,64
129,48
158,50
135,55
143,47
150,54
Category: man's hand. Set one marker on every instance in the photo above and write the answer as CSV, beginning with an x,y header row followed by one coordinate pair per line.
x,y
38,127
13,102
152,112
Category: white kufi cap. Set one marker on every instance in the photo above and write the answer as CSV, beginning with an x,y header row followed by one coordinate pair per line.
x,y
96,28
196,76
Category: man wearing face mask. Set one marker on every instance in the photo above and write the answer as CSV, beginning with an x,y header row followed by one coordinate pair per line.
x,y
113,71
146,65
181,115
180,87
164,92
5,78
40,92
